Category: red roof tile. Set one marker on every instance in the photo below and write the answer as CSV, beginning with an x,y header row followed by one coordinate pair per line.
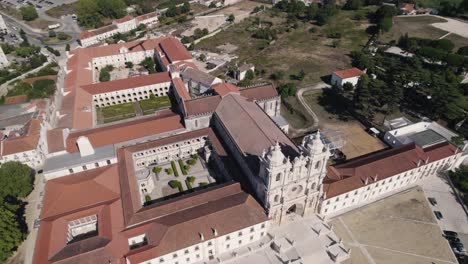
x,y
174,50
223,89
349,73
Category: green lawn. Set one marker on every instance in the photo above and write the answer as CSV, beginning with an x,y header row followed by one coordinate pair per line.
x,y
117,110
155,103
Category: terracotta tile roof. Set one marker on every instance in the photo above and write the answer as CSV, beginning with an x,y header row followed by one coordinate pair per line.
x,y
124,19
352,174
223,89
180,88
147,16
91,33
348,73
129,83
174,50
99,184
251,129
232,211
16,99
182,65
165,121
76,106
94,192
25,142
202,105
259,93
55,140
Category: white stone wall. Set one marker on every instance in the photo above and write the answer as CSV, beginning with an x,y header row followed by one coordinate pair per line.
x,y
198,122
131,95
178,150
149,21
210,249
336,80
79,168
271,106
118,60
3,59
3,26
127,26
30,158
376,189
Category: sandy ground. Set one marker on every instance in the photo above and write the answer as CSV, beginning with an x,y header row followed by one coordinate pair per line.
x,y
453,26
397,229
216,19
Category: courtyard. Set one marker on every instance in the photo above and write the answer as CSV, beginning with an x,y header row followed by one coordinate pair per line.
x,y
177,176
397,229
124,111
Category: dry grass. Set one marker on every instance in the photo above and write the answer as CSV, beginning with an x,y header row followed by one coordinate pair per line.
x,y
415,26
358,141
294,49
62,10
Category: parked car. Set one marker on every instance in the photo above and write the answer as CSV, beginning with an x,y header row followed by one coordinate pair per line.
x,y
450,233
458,247
438,215
433,201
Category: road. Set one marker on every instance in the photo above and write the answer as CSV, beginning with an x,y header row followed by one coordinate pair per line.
x,y
299,131
36,36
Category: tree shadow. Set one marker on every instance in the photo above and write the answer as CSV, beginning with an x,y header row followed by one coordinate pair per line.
x,y
335,104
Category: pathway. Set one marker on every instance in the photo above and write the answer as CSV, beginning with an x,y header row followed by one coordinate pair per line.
x,y
300,97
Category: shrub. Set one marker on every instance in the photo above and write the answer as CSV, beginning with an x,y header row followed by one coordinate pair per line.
x,y
62,36
461,51
174,168
169,171
129,64
182,167
52,34
53,51
195,156
189,185
191,179
28,13
176,184
157,169
202,184
147,198
187,168
191,162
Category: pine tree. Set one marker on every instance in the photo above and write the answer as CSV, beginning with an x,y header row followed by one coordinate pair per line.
x,y
362,97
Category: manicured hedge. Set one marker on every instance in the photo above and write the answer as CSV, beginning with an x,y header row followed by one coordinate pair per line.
x,y
182,167
176,184
174,168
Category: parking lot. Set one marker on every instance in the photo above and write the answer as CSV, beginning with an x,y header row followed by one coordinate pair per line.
x,y
398,229
39,4
454,217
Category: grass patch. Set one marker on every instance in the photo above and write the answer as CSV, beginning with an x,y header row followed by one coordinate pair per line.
x,y
174,168
155,103
414,26
117,110
62,10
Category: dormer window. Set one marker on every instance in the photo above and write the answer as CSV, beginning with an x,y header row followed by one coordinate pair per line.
x,y
137,241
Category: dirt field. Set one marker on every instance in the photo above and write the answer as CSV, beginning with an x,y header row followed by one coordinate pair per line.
x,y
216,19
358,141
421,27
307,47
397,229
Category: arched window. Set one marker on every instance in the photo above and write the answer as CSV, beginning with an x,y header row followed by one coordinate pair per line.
x,y
276,198
278,177
313,186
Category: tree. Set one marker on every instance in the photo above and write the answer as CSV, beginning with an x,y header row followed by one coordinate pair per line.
x,y
231,18
112,8
157,170
67,47
129,64
287,89
148,63
347,86
212,5
62,36
277,76
461,51
88,13
362,97
10,232
104,76
52,34
169,171
28,13
185,8
460,178
385,24
353,4
16,180
172,11
249,75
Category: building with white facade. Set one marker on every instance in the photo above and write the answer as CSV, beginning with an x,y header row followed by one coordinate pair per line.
x,y
351,75
241,71
3,26
422,134
122,25
3,59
